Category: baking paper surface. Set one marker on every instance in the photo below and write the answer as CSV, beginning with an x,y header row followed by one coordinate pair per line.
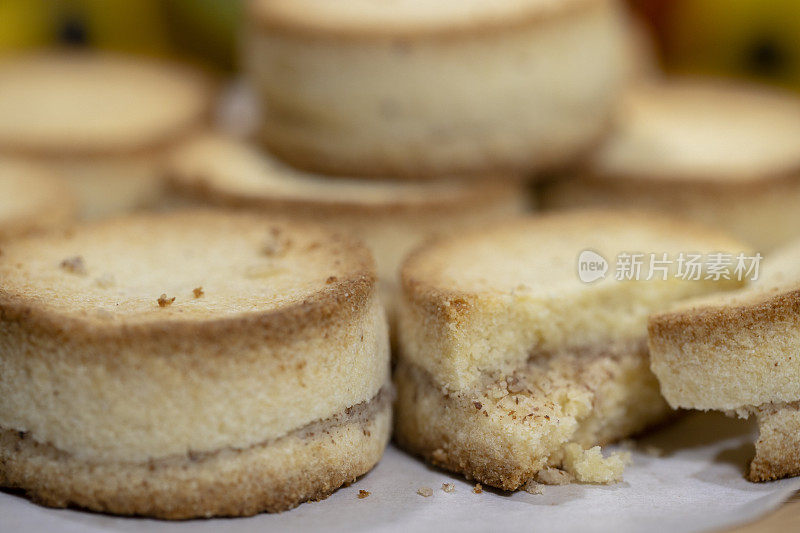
x,y
696,485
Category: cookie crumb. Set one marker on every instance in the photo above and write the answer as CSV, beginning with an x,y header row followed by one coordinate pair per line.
x,y
478,405
163,301
198,292
589,466
448,487
439,455
425,492
533,487
553,476
363,494
477,489
74,265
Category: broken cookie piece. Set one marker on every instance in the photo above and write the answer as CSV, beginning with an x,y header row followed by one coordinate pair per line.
x,y
511,366
738,353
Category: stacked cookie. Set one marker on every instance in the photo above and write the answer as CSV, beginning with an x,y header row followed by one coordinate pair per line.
x,y
421,89
725,155
190,365
391,216
511,364
101,122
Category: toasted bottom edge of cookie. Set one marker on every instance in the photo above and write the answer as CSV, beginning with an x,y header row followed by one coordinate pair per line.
x,y
454,431
521,166
778,445
308,464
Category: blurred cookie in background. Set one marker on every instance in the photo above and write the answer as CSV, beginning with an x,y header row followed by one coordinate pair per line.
x,y
391,217
723,154
103,122
417,89
31,199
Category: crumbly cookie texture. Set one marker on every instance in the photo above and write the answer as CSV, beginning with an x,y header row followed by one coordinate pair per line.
x,y
738,353
678,149
117,399
510,365
589,466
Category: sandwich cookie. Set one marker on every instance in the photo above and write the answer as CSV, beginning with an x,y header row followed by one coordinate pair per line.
x,y
103,122
513,361
419,89
190,365
721,154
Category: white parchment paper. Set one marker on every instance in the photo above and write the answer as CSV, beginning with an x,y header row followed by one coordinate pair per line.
x,y
696,485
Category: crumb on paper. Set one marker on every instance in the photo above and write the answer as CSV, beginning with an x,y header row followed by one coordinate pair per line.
x,y
553,476
477,489
163,301
198,292
478,405
105,281
363,494
533,487
74,265
589,466
425,492
448,487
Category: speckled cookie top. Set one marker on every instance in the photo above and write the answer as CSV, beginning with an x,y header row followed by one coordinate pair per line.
x,y
350,18
183,267
689,131
540,255
66,103
229,172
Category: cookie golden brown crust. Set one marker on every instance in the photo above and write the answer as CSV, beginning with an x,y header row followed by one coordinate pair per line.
x,y
324,455
494,166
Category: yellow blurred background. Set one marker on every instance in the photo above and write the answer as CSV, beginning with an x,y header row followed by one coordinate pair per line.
x,y
752,39
202,30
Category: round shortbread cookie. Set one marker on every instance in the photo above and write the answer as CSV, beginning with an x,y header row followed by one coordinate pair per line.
x,y
422,89
721,154
144,356
509,356
101,121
